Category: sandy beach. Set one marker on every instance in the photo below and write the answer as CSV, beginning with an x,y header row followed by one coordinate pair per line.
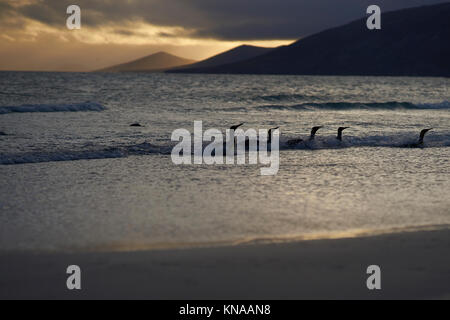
x,y
414,265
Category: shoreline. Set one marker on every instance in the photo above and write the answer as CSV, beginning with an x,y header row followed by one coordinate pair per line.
x,y
414,265
249,241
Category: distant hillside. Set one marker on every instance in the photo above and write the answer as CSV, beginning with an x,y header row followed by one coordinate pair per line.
x,y
412,42
157,62
240,53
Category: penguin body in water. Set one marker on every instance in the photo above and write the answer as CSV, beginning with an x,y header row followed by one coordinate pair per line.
x,y
419,143
294,142
268,141
232,137
269,138
247,141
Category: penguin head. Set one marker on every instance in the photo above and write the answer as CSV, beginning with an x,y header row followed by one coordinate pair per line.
x,y
423,132
236,126
314,130
422,135
272,129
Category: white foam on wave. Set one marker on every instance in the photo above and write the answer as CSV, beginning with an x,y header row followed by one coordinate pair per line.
x,y
320,143
388,141
73,107
39,157
90,154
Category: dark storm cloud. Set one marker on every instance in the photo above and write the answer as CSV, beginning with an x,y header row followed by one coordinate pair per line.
x,y
46,12
224,19
5,9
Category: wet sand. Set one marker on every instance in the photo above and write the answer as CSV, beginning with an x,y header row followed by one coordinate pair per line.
x,y
414,265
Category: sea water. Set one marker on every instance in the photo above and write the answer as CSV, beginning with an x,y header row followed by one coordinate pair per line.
x,y
76,176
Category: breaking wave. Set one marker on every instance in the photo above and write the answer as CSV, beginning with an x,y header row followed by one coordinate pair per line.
x,y
320,143
283,97
85,106
389,141
90,154
393,105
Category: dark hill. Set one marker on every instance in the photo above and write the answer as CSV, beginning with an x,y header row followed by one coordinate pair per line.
x,y
160,61
411,42
240,53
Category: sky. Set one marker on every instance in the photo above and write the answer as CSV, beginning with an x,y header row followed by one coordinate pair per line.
x,y
34,35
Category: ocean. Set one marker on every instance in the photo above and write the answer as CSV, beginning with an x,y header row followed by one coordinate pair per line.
x,y
76,176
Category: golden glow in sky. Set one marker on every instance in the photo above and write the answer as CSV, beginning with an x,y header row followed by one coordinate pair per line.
x,y
29,44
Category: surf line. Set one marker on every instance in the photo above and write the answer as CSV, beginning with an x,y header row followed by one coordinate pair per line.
x,y
261,148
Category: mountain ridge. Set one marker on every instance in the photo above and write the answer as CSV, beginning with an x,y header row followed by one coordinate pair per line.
x,y
156,62
240,53
411,42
